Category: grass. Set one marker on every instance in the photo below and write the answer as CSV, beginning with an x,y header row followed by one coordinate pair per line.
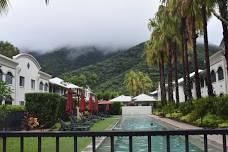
x,y
48,144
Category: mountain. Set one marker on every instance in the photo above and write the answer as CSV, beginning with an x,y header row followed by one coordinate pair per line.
x,y
67,59
110,72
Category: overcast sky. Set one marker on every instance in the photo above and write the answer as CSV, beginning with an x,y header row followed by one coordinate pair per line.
x,y
117,23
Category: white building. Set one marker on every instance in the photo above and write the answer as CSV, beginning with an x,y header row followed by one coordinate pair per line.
x,y
23,75
60,87
219,79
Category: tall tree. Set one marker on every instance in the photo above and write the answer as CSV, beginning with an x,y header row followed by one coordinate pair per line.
x,y
223,9
8,49
206,7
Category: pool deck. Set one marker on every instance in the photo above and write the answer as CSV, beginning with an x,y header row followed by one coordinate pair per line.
x,y
214,139
99,140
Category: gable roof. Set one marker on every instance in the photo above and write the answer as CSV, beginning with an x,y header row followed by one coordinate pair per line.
x,y
122,98
143,97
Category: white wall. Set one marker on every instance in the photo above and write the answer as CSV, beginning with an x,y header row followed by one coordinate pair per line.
x,y
136,110
28,68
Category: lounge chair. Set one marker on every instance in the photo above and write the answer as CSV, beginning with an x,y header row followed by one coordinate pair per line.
x,y
78,127
64,125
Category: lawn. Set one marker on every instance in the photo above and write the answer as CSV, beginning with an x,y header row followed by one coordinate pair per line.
x,y
48,144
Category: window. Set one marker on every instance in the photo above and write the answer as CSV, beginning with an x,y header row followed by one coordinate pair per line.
x,y
46,87
202,82
41,86
33,84
1,75
9,78
22,81
213,76
220,73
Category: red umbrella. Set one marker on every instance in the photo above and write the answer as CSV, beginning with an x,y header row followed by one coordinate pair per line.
x,y
82,104
96,109
90,108
107,107
70,103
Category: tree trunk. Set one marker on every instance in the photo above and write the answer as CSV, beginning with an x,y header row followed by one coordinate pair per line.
x,y
170,73
188,81
183,59
163,89
196,68
207,60
176,76
223,11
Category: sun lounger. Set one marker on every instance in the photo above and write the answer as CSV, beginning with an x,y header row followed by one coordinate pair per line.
x,y
64,125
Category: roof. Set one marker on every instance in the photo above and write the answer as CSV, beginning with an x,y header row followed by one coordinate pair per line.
x,y
60,82
144,97
154,92
28,56
122,98
5,58
45,74
191,75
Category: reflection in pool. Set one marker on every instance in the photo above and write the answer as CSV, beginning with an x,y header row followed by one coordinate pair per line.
x,y
134,123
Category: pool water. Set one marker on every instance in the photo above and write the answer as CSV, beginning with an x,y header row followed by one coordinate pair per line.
x,y
134,123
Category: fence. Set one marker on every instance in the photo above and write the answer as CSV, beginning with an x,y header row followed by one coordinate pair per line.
x,y
112,135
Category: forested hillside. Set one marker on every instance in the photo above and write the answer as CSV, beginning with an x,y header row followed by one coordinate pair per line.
x,y
109,74
67,59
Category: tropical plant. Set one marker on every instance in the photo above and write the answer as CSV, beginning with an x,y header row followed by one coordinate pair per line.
x,y
223,10
137,82
5,91
207,8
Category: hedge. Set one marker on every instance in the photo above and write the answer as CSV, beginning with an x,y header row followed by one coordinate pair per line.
x,y
208,112
48,107
115,108
5,110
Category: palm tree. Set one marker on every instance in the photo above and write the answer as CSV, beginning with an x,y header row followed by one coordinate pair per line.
x,y
192,9
155,55
144,82
223,9
207,8
130,82
4,5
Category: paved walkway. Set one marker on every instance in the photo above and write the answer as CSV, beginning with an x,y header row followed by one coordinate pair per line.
x,y
99,140
213,139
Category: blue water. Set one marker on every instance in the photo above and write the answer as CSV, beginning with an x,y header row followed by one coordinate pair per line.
x,y
140,143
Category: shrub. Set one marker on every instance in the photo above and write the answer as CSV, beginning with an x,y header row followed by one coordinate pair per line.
x,y
191,117
5,110
46,106
201,107
115,108
211,120
185,107
223,125
222,106
170,108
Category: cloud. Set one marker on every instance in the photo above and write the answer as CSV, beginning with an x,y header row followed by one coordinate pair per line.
x,y
115,23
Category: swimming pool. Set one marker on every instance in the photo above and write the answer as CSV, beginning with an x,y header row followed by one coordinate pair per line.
x,y
134,123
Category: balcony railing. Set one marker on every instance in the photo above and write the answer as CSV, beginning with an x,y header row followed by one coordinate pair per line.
x,y
112,135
